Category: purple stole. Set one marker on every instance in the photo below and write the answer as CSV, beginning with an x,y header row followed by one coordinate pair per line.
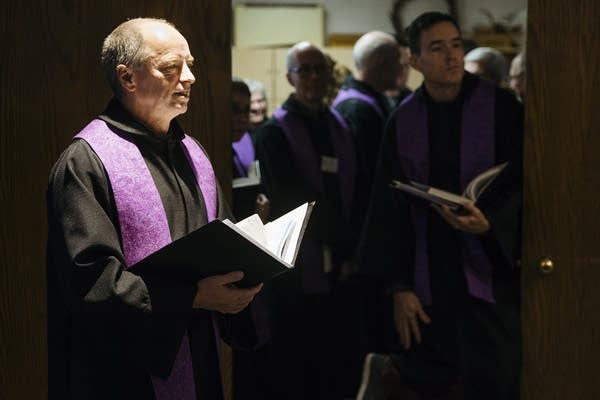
x,y
477,153
309,165
143,222
243,154
353,94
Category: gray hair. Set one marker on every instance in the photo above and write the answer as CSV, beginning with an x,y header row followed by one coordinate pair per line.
x,y
492,61
371,46
125,45
256,86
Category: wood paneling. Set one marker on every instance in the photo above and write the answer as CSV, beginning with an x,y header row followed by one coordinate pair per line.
x,y
561,323
50,86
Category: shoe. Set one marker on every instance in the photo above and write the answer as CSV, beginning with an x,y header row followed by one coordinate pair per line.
x,y
377,370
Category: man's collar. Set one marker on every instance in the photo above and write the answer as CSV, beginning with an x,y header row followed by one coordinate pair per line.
x,y
363,87
294,105
468,83
116,115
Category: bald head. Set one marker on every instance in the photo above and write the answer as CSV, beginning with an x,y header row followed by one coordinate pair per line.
x,y
291,60
126,45
377,59
373,46
486,62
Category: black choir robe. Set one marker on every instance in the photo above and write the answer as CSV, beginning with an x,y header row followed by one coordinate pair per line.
x,y
463,327
108,328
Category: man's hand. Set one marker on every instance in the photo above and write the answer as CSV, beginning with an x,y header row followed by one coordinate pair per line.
x,y
473,222
217,293
407,314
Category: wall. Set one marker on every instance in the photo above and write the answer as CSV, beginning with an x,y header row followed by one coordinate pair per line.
x,y
356,16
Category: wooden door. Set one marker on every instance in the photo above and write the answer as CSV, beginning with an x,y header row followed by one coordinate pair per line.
x,y
560,313
50,86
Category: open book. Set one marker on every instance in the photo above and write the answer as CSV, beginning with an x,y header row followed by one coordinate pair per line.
x,y
454,201
219,247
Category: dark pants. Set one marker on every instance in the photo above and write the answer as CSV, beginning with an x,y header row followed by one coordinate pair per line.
x,y
305,349
476,348
251,373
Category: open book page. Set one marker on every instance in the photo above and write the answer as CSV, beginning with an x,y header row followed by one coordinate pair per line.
x,y
284,234
482,181
252,231
280,237
254,228
428,193
442,197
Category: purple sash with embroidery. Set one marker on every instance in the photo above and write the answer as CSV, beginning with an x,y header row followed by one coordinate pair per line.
x,y
243,154
143,222
309,164
477,153
353,94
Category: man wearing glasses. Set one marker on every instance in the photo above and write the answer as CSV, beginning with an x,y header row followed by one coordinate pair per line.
x,y
306,153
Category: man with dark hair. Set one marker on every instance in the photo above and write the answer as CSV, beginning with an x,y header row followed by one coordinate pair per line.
x,y
453,277
130,183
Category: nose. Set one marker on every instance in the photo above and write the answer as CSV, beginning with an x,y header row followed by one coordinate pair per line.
x,y
187,75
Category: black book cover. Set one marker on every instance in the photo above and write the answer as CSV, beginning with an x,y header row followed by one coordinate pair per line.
x,y
220,247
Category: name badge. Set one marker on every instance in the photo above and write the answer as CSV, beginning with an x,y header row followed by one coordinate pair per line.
x,y
329,164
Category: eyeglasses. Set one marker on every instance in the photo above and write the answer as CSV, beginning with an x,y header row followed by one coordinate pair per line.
x,y
307,70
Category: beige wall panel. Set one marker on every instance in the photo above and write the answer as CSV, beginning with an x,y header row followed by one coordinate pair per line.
x,y
278,25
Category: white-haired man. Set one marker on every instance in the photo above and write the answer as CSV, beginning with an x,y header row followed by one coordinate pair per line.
x,y
130,183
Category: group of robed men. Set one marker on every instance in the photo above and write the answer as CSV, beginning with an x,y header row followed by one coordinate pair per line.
x,y
132,181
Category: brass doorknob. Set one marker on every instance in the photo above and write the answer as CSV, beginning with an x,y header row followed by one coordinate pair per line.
x,y
546,266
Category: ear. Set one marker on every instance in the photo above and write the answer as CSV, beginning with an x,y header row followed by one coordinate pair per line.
x,y
413,60
289,79
125,77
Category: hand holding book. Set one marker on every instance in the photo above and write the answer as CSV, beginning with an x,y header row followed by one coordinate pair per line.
x,y
453,201
220,247
470,219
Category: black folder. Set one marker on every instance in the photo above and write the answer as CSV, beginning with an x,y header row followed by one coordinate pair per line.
x,y
214,249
